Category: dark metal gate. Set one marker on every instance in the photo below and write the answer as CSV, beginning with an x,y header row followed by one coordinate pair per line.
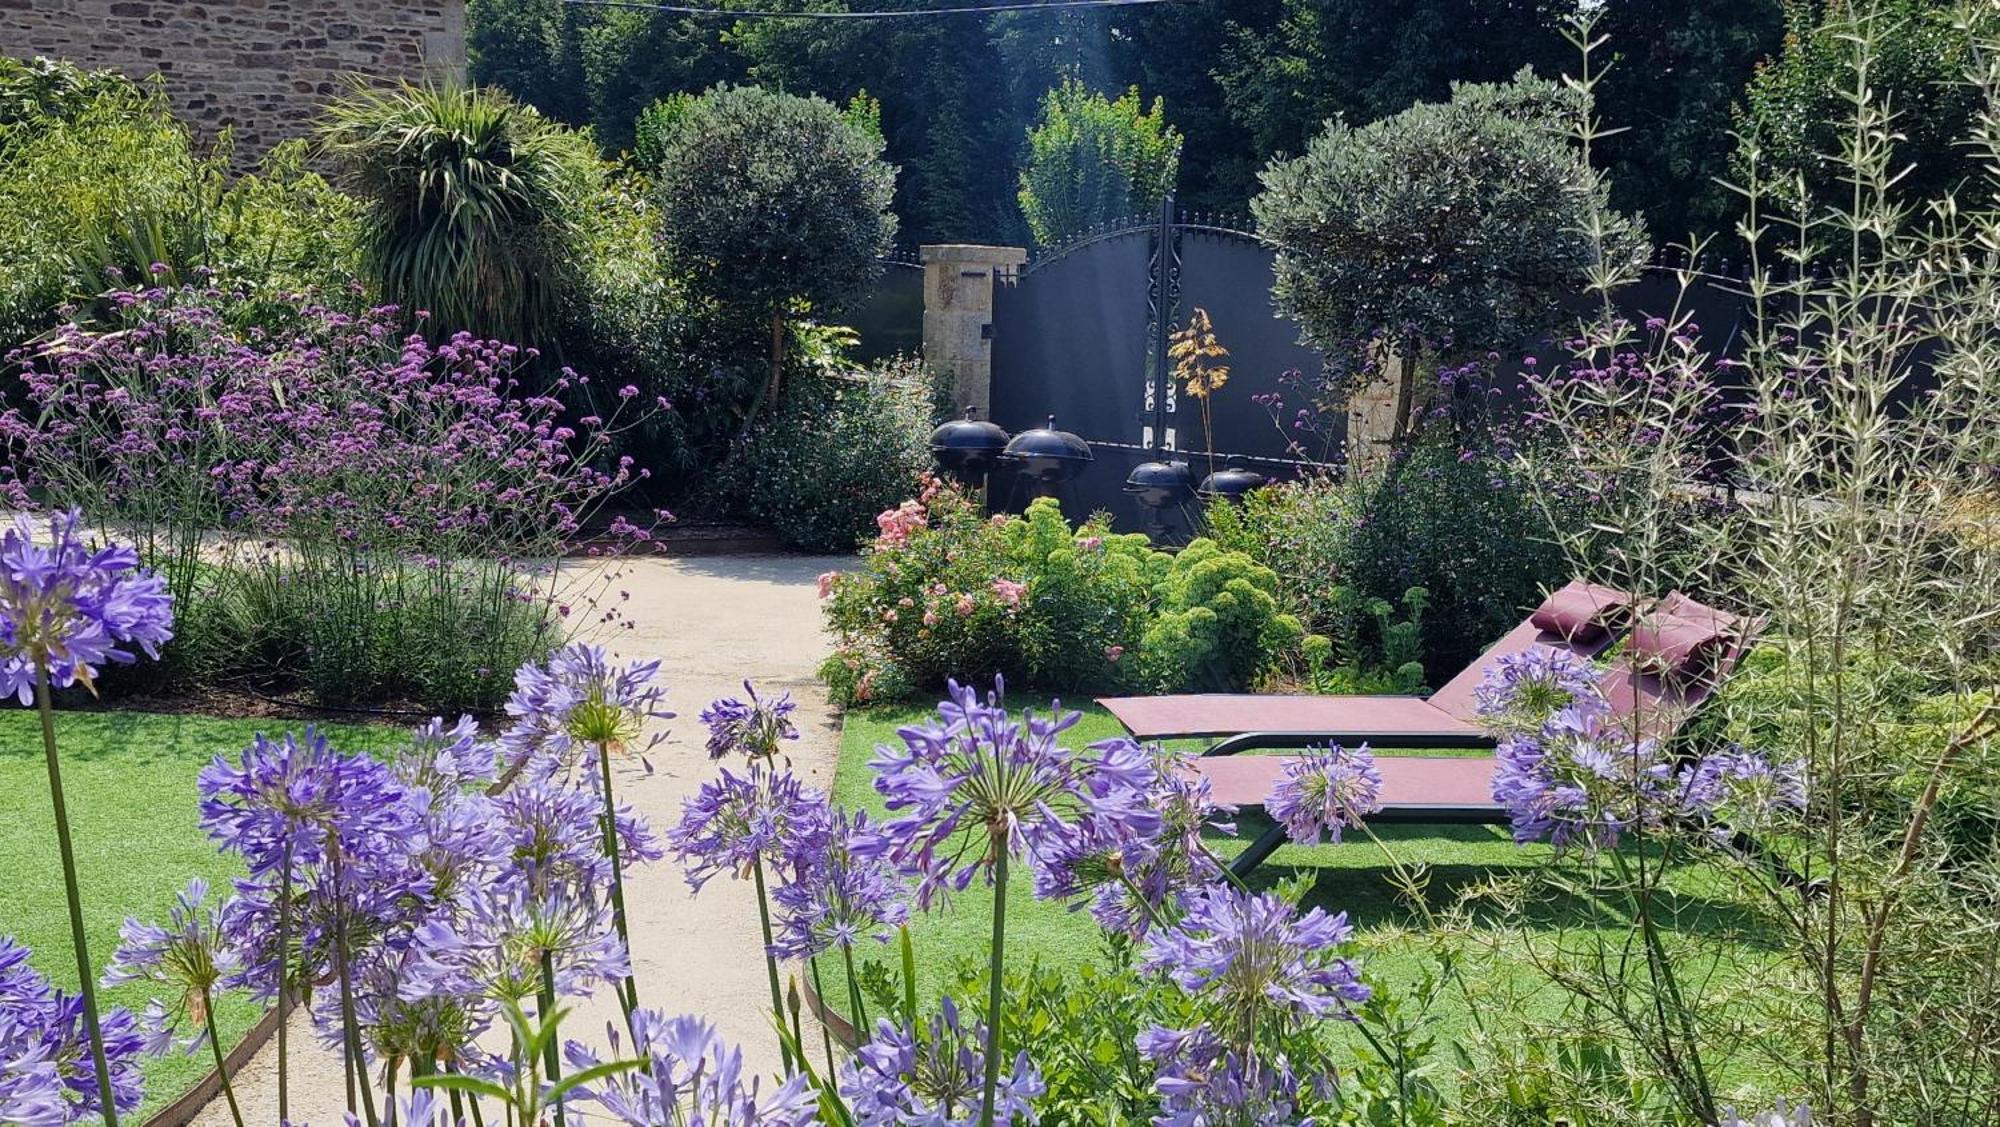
x,y
1082,334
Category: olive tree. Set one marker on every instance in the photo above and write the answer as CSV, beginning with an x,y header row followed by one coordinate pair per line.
x,y
772,205
1449,228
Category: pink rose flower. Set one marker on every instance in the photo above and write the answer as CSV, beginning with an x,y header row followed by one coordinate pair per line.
x,y
825,582
1009,591
1113,653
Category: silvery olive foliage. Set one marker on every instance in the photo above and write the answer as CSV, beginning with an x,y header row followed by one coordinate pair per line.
x,y
1458,223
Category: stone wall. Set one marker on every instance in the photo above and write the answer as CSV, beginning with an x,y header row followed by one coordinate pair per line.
x,y
259,67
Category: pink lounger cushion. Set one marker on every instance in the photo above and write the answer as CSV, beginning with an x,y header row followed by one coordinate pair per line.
x,y
1582,612
1206,715
1408,782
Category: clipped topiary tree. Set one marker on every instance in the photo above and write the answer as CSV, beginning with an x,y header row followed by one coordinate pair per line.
x,y
1450,228
772,204
1093,159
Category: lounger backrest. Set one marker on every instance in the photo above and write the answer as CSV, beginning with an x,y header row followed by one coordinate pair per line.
x,y
1455,697
1656,704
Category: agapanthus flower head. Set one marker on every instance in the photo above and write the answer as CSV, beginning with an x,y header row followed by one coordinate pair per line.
x,y
736,821
1138,875
840,892
425,1107
691,1078
43,1034
553,835
72,607
496,950
190,956
756,728
1252,954
580,700
1522,691
1326,791
296,795
1741,791
445,759
1203,1081
977,782
397,1019
1583,780
935,1077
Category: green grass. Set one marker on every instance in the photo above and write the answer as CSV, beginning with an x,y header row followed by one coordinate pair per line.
x,y
1355,876
129,778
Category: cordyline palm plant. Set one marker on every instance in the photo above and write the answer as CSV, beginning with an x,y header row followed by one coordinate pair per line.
x,y
476,200
1862,522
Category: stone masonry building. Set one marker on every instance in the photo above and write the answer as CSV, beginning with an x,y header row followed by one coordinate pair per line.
x,y
260,67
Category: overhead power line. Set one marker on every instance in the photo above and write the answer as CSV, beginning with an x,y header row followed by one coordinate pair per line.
x,y
892,14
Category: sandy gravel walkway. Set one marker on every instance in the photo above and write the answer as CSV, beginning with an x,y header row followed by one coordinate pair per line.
x,y
711,622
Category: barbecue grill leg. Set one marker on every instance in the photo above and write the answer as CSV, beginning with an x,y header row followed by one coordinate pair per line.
x,y
1263,847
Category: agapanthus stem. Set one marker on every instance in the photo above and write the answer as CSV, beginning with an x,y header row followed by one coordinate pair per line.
x,y
221,1066
771,962
909,952
825,1034
628,991
551,1056
995,1041
284,981
86,978
350,1024
857,1011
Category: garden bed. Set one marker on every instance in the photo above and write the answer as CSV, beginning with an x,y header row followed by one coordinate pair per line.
x,y
130,778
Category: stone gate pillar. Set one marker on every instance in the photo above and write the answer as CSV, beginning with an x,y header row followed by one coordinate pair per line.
x,y
958,315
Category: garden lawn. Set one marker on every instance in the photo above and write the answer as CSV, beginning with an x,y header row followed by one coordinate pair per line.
x,y
1355,877
130,781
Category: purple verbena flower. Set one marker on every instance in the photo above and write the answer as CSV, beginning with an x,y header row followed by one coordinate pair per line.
x,y
754,729
1324,792
691,1078
71,608
935,1078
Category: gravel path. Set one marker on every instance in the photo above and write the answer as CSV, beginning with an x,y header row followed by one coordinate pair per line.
x,y
711,622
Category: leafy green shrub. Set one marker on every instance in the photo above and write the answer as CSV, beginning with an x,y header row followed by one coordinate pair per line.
x,y
769,204
842,449
1217,622
1092,159
947,592
475,204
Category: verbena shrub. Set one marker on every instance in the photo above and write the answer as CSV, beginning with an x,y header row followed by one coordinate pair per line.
x,y
948,592
355,512
842,449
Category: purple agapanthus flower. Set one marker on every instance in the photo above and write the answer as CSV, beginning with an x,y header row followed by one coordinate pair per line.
x,y
737,821
1522,691
1782,1115
978,782
445,760
1324,792
839,893
935,1078
73,608
1253,954
554,836
1740,791
43,1035
755,729
691,1078
579,700
191,956
1581,779
1138,877
296,796
496,951
1203,1081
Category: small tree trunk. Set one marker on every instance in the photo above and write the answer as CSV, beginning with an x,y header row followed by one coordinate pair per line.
x,y
773,382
